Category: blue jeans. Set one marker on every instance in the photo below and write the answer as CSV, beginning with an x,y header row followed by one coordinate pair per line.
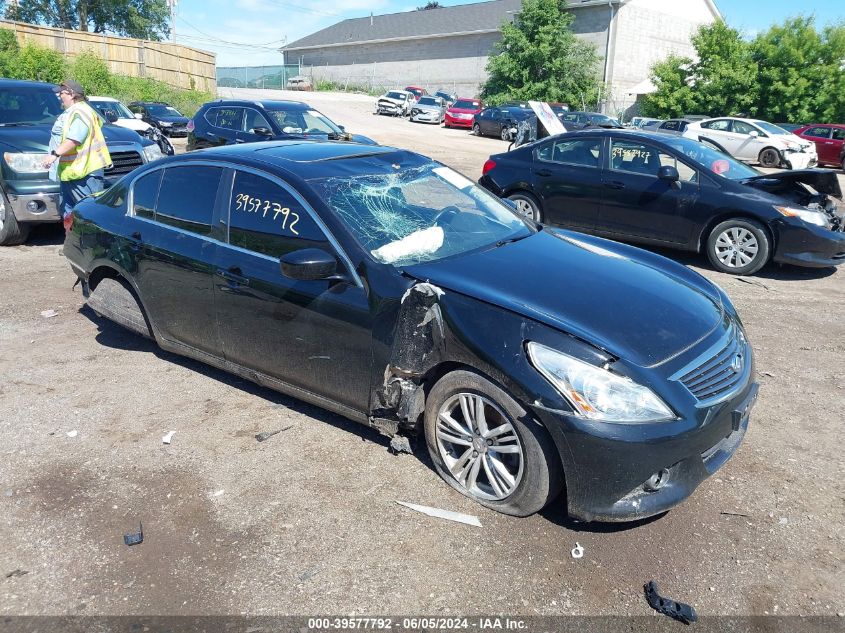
x,y
75,190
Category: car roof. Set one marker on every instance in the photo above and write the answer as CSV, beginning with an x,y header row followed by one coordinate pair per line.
x,y
109,99
22,83
264,103
806,125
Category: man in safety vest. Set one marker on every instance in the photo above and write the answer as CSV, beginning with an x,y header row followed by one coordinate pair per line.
x,y
78,152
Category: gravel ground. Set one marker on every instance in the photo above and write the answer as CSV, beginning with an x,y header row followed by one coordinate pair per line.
x,y
307,521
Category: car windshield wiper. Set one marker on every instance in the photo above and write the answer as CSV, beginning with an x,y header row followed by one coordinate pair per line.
x,y
511,240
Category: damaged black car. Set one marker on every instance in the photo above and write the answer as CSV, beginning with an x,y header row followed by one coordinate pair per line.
x,y
675,192
388,288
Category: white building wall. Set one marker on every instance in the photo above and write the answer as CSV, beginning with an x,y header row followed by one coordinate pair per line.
x,y
648,31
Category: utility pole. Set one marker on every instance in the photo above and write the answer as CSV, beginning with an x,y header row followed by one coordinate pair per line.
x,y
171,4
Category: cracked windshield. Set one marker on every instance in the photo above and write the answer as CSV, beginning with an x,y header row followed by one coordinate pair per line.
x,y
420,214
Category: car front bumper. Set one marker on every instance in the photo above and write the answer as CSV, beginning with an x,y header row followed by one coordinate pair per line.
x,y
392,110
426,117
455,122
35,207
809,245
801,160
608,466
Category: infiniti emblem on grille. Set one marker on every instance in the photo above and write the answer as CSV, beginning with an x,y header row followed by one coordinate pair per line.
x,y
736,365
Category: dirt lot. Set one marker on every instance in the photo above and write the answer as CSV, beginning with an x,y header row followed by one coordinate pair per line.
x,y
307,522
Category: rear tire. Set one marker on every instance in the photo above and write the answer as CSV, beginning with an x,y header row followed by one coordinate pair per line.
x,y
516,469
527,205
769,157
12,232
738,246
115,300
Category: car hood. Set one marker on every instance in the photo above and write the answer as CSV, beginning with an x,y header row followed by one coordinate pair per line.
x,y
36,138
391,100
427,108
636,305
823,181
132,124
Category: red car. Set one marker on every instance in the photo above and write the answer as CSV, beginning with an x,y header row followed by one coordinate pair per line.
x,y
462,112
418,92
829,140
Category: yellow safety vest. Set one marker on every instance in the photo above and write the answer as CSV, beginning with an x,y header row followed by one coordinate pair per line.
x,y
89,156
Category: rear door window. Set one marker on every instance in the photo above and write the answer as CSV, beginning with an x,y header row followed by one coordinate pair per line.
x,y
186,197
719,125
145,194
585,152
268,219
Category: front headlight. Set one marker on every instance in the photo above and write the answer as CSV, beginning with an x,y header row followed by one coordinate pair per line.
x,y
26,162
596,393
152,152
811,217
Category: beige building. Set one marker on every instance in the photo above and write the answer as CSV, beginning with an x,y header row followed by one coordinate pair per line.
x,y
448,47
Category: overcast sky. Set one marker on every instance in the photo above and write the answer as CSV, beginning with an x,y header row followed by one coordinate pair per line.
x,y
249,32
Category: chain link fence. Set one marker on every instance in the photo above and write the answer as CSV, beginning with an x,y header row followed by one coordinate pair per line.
x,y
271,77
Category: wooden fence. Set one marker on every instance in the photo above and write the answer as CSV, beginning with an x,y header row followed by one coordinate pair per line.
x,y
174,64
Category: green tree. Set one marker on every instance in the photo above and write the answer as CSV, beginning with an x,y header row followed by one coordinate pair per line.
x,y
433,4
92,72
540,58
38,63
801,72
722,80
145,19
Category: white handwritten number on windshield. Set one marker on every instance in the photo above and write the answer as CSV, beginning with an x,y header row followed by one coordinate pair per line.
x,y
244,202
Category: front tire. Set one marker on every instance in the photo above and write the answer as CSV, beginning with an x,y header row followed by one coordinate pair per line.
x,y
488,447
527,205
505,134
769,157
476,129
12,232
738,246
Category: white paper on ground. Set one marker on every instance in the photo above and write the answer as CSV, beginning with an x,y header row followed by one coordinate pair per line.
x,y
443,514
166,439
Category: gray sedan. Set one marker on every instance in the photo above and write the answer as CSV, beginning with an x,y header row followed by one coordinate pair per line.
x,y
429,109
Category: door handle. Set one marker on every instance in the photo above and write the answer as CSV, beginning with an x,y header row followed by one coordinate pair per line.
x,y
232,277
615,184
544,173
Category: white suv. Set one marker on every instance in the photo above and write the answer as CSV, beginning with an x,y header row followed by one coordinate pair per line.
x,y
755,141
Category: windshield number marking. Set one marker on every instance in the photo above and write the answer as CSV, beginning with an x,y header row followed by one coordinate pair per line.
x,y
245,202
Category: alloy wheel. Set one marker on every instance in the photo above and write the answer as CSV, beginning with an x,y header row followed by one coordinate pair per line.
x,y
736,247
2,211
505,135
479,446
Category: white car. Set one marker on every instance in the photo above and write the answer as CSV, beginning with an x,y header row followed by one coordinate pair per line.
x,y
115,112
755,141
396,103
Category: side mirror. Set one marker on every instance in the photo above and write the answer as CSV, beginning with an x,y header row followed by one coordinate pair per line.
x,y
111,117
668,173
341,128
138,115
309,264
754,134
262,131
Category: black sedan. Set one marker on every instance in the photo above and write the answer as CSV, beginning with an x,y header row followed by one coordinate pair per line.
x,y
654,189
227,122
390,289
499,120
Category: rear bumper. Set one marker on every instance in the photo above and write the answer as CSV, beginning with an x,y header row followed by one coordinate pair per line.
x,y
809,245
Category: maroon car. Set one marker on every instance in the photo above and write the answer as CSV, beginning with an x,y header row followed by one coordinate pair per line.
x,y
418,92
462,112
830,142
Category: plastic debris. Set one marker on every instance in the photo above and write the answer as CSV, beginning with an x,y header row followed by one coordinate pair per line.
x,y
577,551
49,314
135,538
73,433
166,439
400,444
468,519
676,610
218,493
17,573
266,435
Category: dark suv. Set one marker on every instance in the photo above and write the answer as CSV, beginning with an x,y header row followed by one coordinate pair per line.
x,y
28,110
227,121
499,120
161,115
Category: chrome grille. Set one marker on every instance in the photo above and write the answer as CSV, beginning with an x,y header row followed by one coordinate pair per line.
x,y
720,373
123,163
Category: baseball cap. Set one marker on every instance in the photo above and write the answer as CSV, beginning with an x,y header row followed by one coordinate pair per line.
x,y
72,85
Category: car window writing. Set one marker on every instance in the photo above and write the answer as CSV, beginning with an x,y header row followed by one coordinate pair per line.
x,y
227,118
145,194
646,159
818,132
266,218
186,197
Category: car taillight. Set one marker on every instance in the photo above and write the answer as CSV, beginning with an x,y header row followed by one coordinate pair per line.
x,y
488,165
68,222
190,126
